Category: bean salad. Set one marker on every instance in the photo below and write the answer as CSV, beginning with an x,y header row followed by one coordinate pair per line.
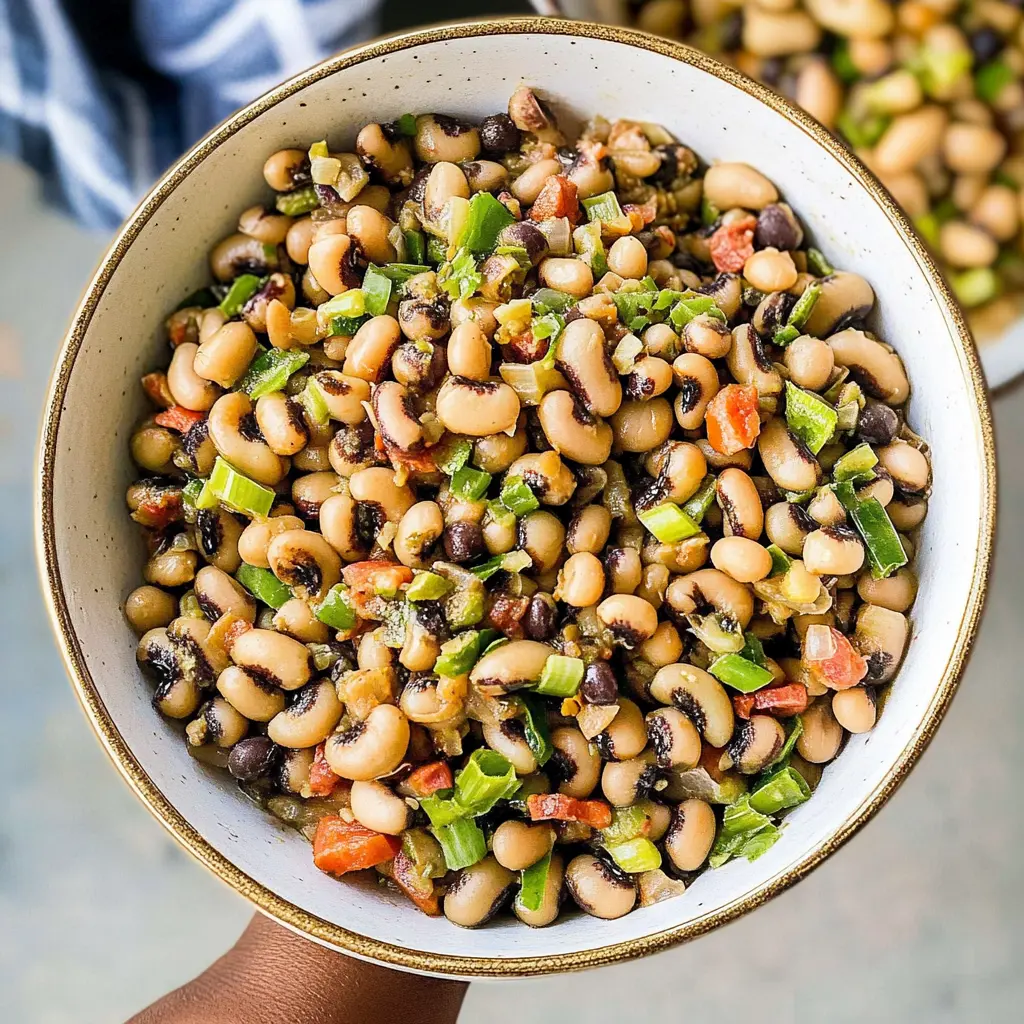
x,y
528,517
928,93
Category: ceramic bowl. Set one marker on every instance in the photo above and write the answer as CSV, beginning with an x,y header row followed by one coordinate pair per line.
x,y
90,554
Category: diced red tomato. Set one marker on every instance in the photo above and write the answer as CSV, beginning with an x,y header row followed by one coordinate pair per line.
x,y
322,780
421,891
414,462
557,199
647,211
780,701
376,575
341,846
429,778
732,420
177,417
559,807
837,664
159,507
733,244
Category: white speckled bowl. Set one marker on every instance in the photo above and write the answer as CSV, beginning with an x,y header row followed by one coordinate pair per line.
x,y
90,554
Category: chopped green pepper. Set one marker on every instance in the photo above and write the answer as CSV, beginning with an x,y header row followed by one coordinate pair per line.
x,y
242,289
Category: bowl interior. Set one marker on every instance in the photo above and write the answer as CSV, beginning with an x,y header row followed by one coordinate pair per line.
x,y
94,556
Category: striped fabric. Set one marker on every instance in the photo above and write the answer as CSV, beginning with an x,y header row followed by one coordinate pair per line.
x,y
99,96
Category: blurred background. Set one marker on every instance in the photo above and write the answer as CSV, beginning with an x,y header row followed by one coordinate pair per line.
x,y
917,919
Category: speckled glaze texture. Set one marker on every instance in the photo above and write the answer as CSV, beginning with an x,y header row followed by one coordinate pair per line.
x,y
90,556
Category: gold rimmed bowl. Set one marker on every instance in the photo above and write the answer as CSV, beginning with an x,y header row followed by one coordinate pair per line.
x,y
90,554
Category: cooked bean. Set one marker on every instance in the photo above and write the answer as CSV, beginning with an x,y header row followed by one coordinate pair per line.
x,y
627,257
581,580
674,738
641,426
598,889
476,407
309,720
788,461
749,364
478,893
231,422
822,735
286,169
218,723
733,184
691,834
376,807
833,551
744,560
171,568
623,783
148,608
854,709
630,619
588,530
881,637
756,742
575,766
664,647
787,526
907,466
273,658
572,431
256,537
252,758
517,845
218,594
623,568
626,734
368,748
187,387
896,592
249,694
295,618
810,362
527,186
697,380
376,487
737,497
699,696
583,357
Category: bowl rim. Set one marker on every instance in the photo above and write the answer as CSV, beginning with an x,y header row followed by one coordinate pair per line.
x,y
285,912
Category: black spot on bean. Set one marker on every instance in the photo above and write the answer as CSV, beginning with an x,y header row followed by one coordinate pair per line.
x,y
690,393
451,127
878,663
209,532
689,707
249,428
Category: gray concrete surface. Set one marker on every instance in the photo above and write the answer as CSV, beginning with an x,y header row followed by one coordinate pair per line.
x,y
917,919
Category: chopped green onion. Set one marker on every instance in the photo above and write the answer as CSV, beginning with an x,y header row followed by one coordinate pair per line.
x,y
586,240
796,730
626,352
294,204
491,638
940,69
464,608
399,273
452,454
487,778
991,78
627,823
270,371
263,585
780,560
857,462
458,655
976,286
242,289
535,728
376,289
605,208
517,497
427,586
513,561
799,315
533,883
462,843
753,650
779,790
561,676
735,671
709,213
441,809
235,491
669,523
406,124
336,610
744,833
843,64
460,278
470,484
346,325
818,264
191,491
350,303
415,246
487,219
786,335
810,417
692,306
697,505
635,855
311,398
437,249
548,300
885,552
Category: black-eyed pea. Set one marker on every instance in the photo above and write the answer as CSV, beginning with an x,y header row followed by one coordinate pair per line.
x,y
299,239
624,569
673,738
218,723
149,608
664,647
833,551
508,738
629,618
286,169
372,652
729,185
909,139
153,448
292,772
650,376
787,526
249,694
598,889
517,845
469,352
881,489
419,530
581,580
494,453
369,748
660,340
998,211
256,537
421,648
476,408
282,423
396,420
295,618
371,347
855,709
653,584
788,461
273,658
220,594
187,387
825,508
881,637
625,736
311,490
228,424
376,807
309,719
439,137
819,91
680,468
907,512
369,230
475,310
691,834
769,270
639,426
966,246
376,487
390,157
743,459
744,560
445,182
822,735
696,377
738,498
627,257
623,783
330,262
478,893
573,431
567,274
756,742
343,395
749,364
687,594
583,359
239,254
972,148
907,465
547,475
527,186
810,362
707,336
575,766
588,530
895,592
171,568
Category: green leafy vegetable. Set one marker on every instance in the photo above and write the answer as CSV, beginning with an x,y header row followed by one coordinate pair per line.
x,y
460,278
406,124
533,882
452,454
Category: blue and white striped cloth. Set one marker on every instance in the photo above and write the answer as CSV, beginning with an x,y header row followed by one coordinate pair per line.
x,y
100,96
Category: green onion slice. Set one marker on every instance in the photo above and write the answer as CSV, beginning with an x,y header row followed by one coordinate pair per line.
x,y
242,289
294,204
561,676
533,882
810,417
669,523
697,505
605,208
513,561
487,778
376,289
462,843
856,463
263,585
734,670
549,300
635,855
452,454
818,264
780,561
270,371
779,790
235,491
458,655
535,727
427,586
